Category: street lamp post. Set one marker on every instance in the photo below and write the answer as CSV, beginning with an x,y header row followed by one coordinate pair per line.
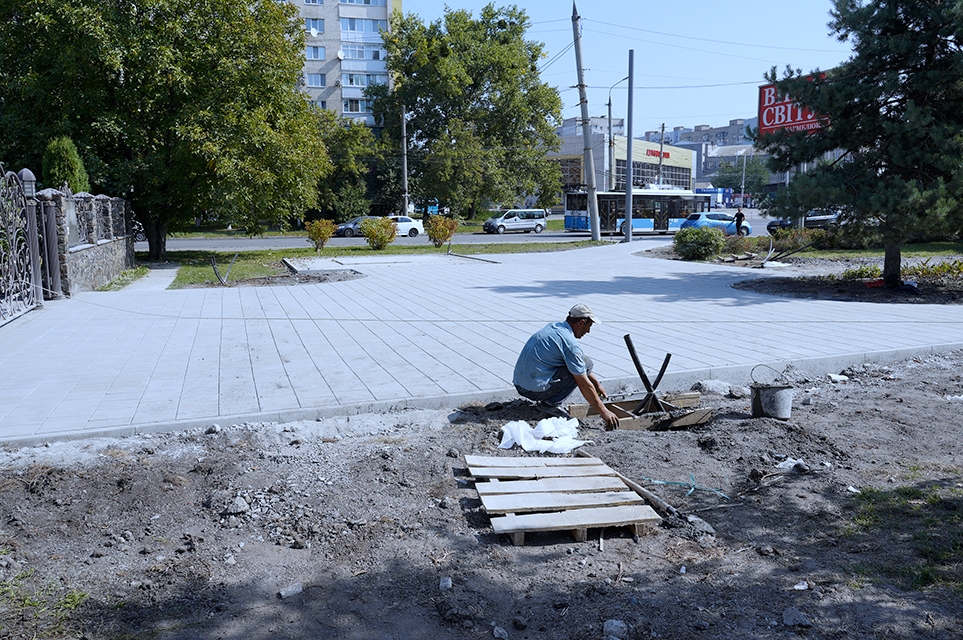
x,y
742,189
611,181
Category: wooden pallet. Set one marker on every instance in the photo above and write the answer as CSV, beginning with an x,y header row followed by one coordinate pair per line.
x,y
556,494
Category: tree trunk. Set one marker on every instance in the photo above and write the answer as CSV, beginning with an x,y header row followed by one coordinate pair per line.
x,y
156,241
891,265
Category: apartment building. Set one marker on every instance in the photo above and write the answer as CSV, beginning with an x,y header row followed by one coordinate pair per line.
x,y
732,134
344,52
598,124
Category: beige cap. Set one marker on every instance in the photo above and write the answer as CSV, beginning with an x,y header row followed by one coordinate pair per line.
x,y
582,311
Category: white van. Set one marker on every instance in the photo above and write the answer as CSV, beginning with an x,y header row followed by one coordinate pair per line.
x,y
516,220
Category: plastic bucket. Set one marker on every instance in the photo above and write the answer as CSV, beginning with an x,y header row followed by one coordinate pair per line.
x,y
771,401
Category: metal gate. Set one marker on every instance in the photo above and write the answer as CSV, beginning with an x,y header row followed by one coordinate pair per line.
x,y
20,284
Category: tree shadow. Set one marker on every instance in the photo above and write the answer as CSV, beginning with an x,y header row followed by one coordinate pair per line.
x,y
679,287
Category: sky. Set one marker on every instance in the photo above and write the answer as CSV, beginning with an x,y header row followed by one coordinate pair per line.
x,y
695,61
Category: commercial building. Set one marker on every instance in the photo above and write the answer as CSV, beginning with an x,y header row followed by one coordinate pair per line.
x,y
344,52
675,168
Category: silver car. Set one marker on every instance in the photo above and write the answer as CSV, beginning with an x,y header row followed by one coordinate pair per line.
x,y
516,220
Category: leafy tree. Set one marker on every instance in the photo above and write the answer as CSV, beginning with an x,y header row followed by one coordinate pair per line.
x,y
354,152
350,202
479,119
61,163
895,111
180,106
729,176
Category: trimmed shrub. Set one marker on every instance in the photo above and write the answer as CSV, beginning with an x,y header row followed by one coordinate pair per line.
x,y
319,232
61,163
379,232
440,229
862,272
699,243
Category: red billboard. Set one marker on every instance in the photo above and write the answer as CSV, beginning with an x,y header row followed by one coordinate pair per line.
x,y
777,112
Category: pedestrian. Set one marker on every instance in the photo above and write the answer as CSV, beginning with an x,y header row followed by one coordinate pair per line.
x,y
740,218
552,364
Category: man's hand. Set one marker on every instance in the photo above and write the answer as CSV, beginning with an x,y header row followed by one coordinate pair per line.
x,y
610,419
592,389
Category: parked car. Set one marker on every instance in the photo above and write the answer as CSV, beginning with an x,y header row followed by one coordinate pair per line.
x,y
351,228
815,219
408,226
516,220
716,220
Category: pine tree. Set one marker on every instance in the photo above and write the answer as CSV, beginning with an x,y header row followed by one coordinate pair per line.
x,y
891,155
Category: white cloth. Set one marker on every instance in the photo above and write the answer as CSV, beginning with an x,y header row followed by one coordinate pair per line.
x,y
551,435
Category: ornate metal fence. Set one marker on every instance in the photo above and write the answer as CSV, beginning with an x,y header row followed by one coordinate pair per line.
x,y
20,286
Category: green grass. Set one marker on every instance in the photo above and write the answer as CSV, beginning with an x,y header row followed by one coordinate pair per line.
x,y
921,251
125,278
42,611
195,266
919,530
219,232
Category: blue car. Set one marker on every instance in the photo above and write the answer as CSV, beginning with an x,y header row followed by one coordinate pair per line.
x,y
722,221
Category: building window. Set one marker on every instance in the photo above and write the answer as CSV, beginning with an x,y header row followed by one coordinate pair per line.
x,y
372,3
313,2
363,25
314,23
354,105
363,52
315,53
316,80
363,79
320,104
645,173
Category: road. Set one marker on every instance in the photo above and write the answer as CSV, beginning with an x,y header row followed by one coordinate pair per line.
x,y
243,243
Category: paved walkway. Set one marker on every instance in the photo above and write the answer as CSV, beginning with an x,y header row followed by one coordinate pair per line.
x,y
416,331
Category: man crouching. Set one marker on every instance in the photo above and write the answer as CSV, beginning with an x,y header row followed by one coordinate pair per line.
x,y
552,364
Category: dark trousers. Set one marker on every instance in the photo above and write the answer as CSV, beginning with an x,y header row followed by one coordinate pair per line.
x,y
561,386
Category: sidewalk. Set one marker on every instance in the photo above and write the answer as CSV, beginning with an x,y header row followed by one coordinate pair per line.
x,y
416,331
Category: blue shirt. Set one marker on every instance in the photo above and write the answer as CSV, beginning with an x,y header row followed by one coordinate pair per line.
x,y
548,349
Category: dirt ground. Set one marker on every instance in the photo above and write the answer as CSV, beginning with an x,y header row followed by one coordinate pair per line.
x,y
358,520
352,527
806,278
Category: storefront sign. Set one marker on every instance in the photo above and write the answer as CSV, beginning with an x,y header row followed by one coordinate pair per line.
x,y
777,112
654,152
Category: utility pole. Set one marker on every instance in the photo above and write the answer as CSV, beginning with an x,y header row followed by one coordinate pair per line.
x,y
588,163
661,146
610,181
627,225
404,161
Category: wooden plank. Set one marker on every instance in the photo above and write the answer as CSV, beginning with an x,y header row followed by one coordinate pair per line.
x,y
540,472
680,400
684,399
697,417
576,519
527,502
548,485
495,461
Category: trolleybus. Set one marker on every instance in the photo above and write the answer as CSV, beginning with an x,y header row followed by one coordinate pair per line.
x,y
654,209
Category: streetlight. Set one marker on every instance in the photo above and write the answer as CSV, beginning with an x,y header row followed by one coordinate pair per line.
x,y
742,189
612,140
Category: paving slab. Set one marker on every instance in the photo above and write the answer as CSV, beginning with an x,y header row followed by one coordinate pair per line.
x,y
425,331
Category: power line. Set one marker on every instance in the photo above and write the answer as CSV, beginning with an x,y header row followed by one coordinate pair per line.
x,y
702,39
